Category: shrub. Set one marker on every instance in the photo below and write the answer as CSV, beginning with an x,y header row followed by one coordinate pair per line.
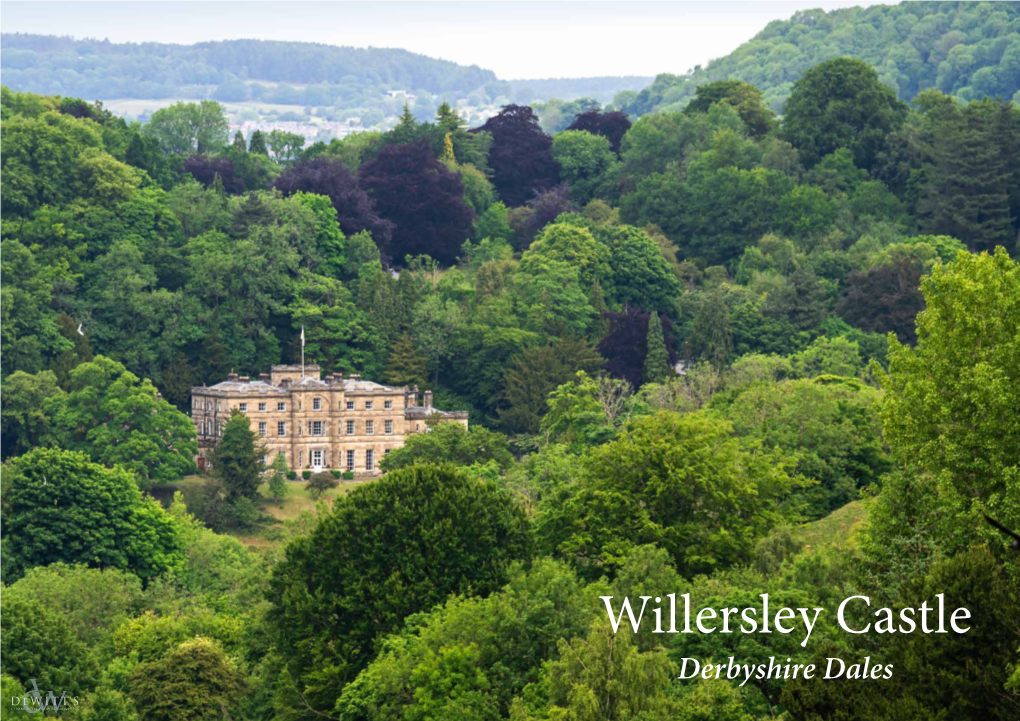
x,y
348,475
291,475
320,483
336,474
306,474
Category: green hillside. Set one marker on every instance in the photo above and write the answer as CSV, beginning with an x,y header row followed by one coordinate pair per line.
x,y
969,50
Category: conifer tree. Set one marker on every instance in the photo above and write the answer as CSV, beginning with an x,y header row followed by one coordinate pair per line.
x,y
405,367
239,143
656,368
278,477
600,328
258,144
237,460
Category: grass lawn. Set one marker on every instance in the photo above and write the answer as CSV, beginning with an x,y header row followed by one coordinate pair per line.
x,y
838,529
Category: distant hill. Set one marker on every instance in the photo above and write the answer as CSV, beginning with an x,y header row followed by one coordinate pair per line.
x,y
968,50
228,69
602,89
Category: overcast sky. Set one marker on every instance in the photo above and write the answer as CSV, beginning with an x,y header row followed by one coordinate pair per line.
x,y
515,39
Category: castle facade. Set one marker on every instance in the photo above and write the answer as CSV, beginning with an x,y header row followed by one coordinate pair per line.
x,y
336,423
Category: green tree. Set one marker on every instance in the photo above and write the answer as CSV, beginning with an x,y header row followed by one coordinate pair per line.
x,y
93,601
117,418
656,368
28,403
533,374
64,508
195,681
962,435
450,442
841,103
743,97
257,144
682,481
404,367
39,645
237,458
239,142
587,163
189,128
278,477
584,683
319,483
458,535
711,338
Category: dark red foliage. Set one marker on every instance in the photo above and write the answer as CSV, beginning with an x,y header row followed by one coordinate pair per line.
x,y
539,212
883,299
521,155
423,199
355,211
611,126
627,343
204,169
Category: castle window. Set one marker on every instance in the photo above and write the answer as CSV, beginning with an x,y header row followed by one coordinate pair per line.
x,y
350,460
281,406
369,428
316,458
369,460
265,461
316,404
387,405
350,405
243,407
317,428
388,427
262,407
350,428
262,429
368,405
281,429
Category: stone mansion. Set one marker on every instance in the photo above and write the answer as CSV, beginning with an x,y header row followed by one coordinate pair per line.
x,y
338,423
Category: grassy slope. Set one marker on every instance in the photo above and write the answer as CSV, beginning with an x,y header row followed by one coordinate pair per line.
x,y
838,529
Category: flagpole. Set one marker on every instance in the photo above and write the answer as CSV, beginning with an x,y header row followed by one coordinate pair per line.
x,y
302,351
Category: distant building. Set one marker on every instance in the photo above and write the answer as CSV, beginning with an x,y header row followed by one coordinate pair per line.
x,y
338,423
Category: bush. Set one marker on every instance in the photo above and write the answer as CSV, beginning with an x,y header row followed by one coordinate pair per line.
x,y
244,513
348,475
306,474
320,483
291,475
336,474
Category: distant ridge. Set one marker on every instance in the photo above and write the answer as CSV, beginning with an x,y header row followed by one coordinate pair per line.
x,y
969,50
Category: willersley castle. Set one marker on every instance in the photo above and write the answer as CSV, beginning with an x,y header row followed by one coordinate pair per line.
x,y
337,423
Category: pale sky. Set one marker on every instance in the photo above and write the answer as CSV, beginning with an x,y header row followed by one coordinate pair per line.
x,y
515,39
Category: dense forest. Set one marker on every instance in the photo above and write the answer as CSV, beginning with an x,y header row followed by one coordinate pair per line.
x,y
706,350
967,50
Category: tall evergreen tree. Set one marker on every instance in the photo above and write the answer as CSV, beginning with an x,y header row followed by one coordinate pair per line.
x,y
656,368
239,143
405,367
975,168
237,460
257,144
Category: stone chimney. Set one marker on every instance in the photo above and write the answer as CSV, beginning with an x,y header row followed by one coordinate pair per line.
x,y
285,383
355,376
231,376
428,399
245,379
264,377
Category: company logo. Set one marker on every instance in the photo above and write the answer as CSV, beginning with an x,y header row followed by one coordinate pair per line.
x,y
34,701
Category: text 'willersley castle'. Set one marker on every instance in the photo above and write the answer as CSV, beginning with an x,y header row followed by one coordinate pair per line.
x,y
336,423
